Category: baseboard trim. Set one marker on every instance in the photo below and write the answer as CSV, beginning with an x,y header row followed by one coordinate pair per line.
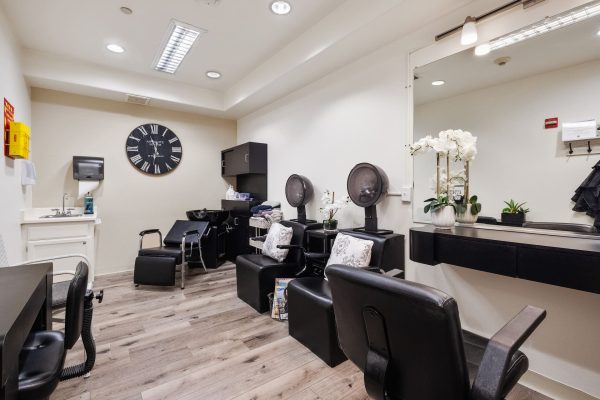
x,y
553,389
115,272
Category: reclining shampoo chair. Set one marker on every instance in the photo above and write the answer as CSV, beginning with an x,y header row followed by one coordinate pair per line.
x,y
182,245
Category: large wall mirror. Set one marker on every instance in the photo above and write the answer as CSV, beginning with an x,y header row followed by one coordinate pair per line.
x,y
504,98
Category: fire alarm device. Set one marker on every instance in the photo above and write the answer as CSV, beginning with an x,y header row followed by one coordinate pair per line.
x,y
551,123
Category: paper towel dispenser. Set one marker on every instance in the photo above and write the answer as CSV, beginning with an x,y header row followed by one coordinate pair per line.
x,y
88,168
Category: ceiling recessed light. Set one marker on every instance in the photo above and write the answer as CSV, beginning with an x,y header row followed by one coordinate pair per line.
x,y
213,74
281,7
483,49
438,83
598,33
177,44
126,10
115,48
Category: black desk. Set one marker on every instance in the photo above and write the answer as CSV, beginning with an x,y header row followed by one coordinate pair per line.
x,y
25,294
572,262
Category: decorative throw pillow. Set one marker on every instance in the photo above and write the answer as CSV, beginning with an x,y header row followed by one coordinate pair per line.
x,y
278,235
351,251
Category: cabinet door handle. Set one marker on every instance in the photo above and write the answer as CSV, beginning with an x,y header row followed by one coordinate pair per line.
x,y
236,221
246,157
223,164
84,242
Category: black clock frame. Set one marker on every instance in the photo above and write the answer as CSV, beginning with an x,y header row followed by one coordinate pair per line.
x,y
154,149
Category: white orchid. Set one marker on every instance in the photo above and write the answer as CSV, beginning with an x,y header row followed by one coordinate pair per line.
x,y
423,145
458,144
331,206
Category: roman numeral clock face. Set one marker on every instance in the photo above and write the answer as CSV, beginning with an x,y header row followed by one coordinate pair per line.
x,y
153,149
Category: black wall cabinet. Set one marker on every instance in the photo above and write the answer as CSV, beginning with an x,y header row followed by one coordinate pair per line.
x,y
247,158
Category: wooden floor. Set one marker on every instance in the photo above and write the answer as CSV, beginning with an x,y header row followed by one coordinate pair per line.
x,y
202,343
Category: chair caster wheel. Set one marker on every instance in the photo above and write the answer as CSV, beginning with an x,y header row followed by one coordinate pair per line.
x,y
137,285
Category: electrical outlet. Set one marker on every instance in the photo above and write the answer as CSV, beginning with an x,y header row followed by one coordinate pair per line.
x,y
406,194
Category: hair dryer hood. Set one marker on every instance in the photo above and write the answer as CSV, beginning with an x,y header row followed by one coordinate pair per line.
x,y
298,192
367,185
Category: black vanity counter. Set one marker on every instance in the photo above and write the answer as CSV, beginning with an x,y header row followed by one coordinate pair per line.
x,y
572,262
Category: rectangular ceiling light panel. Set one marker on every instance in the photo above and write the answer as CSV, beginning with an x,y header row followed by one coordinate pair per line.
x,y
180,39
549,24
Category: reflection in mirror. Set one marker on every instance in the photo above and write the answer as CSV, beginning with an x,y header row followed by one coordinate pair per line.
x,y
505,98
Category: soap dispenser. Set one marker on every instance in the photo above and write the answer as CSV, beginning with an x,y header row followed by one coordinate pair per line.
x,y
88,204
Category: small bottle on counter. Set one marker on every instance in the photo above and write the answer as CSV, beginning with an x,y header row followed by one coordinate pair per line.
x,y
88,204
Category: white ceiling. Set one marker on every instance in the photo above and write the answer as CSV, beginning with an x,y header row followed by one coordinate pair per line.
x,y
262,56
241,33
465,72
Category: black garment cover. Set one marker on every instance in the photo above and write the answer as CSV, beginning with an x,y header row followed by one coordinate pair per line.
x,y
587,195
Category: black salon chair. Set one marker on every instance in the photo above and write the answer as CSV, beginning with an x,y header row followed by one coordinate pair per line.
x,y
558,226
310,306
255,273
407,339
42,358
183,244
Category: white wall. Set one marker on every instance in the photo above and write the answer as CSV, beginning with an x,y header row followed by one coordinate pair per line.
x,y
517,158
128,200
360,113
13,196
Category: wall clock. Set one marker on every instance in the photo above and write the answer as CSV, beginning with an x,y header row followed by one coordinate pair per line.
x,y
153,149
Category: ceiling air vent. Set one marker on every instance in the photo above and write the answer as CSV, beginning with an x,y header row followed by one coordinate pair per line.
x,y
140,100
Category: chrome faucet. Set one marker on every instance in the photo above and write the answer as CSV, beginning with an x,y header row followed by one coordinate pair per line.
x,y
65,196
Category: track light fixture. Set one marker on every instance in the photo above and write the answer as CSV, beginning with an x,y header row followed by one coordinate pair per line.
x,y
469,32
469,27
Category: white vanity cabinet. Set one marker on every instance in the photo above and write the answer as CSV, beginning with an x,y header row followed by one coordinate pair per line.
x,y
51,237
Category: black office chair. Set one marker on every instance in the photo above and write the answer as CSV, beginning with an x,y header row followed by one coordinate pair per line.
x,y
255,273
407,339
42,358
310,306
183,244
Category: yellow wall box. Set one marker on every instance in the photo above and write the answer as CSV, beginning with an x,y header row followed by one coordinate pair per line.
x,y
18,145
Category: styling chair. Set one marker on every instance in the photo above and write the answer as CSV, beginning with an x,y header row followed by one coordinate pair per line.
x,y
310,306
256,273
42,357
181,246
59,288
407,339
558,226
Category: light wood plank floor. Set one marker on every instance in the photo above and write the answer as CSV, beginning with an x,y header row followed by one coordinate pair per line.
x,y
202,343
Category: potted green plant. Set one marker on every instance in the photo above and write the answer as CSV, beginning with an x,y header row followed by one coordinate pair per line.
x,y
514,213
442,211
467,210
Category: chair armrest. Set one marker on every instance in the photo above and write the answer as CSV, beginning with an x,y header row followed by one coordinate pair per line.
x,y
290,246
502,346
149,231
192,232
316,256
53,258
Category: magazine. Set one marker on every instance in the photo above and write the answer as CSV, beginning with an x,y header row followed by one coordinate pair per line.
x,y
280,299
